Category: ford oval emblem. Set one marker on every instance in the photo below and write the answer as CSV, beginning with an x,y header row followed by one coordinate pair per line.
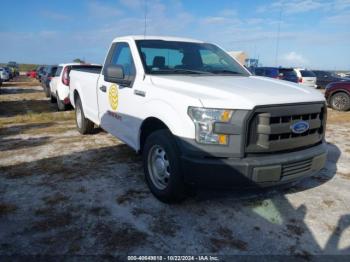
x,y
300,127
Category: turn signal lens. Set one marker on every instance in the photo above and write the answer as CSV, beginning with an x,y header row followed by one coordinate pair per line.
x,y
226,115
222,139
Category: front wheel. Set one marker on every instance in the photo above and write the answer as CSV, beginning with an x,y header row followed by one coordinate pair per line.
x,y
84,125
162,167
340,101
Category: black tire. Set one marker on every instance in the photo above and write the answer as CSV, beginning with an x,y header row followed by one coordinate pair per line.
x,y
60,105
85,126
174,190
340,101
52,98
47,91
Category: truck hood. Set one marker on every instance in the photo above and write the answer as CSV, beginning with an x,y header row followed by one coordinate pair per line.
x,y
237,92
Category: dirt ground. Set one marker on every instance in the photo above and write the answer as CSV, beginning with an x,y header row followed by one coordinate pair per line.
x,y
63,193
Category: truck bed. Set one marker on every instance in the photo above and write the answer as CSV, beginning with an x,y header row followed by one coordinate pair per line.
x,y
94,69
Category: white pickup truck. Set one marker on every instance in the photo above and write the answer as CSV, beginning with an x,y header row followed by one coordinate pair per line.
x,y
199,117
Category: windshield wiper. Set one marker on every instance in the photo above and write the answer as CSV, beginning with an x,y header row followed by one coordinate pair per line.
x,y
179,70
225,71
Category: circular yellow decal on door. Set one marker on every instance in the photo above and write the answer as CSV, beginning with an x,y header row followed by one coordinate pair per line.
x,y
113,96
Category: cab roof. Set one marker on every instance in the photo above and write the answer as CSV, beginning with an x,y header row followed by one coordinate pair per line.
x,y
151,37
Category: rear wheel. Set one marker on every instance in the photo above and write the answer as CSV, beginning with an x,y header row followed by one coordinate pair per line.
x,y
84,125
340,101
60,105
52,98
47,91
162,167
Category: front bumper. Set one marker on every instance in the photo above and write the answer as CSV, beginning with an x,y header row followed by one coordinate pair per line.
x,y
267,170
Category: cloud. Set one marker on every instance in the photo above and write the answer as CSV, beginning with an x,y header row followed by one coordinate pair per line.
x,y
303,6
342,18
340,5
255,34
293,7
293,59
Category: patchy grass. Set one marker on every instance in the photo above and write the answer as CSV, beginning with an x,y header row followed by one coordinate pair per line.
x,y
131,195
226,240
122,238
6,208
55,199
336,117
22,81
34,118
52,221
99,211
165,225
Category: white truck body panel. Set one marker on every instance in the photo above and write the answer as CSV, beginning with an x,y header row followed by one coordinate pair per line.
x,y
167,97
85,84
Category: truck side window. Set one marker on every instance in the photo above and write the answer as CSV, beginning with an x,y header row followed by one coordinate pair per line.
x,y
122,56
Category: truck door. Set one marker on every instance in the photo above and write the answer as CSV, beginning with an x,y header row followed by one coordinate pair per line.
x,y
116,101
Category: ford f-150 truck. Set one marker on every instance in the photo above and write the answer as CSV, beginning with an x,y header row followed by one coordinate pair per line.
x,y
198,117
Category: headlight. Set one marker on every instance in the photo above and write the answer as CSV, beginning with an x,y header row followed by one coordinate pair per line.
x,y
204,120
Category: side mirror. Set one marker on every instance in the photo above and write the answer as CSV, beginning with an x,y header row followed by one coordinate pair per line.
x,y
113,73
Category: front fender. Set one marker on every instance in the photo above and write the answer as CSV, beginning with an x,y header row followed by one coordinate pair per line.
x,y
177,120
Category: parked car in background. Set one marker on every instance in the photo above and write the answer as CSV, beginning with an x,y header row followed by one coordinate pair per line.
x,y
14,68
9,72
306,77
59,85
48,73
31,74
39,72
281,73
338,95
326,77
4,75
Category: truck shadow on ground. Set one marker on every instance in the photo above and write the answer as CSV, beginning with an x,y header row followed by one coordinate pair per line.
x,y
230,222
23,107
13,91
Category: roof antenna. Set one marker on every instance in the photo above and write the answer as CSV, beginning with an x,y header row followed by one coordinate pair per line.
x,y
145,24
278,36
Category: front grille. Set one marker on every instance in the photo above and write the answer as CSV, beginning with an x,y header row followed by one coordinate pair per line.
x,y
270,128
296,168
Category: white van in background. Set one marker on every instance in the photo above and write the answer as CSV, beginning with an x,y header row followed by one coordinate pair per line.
x,y
306,77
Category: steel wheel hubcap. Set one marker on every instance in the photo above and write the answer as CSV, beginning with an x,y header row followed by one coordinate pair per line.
x,y
158,166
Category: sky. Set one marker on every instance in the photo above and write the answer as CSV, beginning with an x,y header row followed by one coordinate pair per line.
x,y
313,33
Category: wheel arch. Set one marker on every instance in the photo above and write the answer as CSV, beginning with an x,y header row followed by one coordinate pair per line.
x,y
148,126
340,91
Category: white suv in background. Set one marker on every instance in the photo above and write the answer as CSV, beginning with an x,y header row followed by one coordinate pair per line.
x,y
4,76
306,77
59,86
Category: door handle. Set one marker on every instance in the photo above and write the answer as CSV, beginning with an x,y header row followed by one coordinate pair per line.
x,y
103,88
139,93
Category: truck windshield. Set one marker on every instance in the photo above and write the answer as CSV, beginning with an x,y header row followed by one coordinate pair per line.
x,y
174,57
